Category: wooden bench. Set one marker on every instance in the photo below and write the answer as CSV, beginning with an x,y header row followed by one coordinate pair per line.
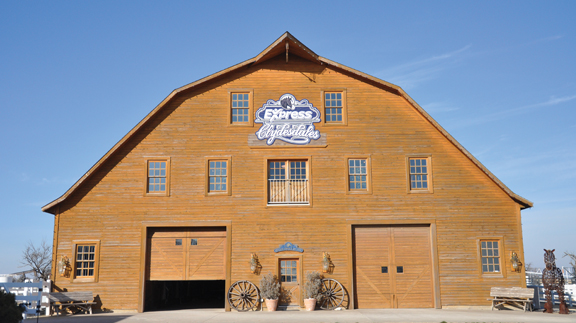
x,y
81,300
514,295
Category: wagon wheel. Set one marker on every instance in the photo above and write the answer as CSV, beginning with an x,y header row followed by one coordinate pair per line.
x,y
332,294
243,296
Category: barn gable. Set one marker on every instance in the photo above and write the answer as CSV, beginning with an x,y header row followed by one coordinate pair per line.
x,y
289,45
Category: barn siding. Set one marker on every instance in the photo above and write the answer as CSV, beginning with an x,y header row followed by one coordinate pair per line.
x,y
466,205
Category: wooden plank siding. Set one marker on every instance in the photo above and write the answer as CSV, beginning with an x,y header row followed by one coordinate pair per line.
x,y
466,204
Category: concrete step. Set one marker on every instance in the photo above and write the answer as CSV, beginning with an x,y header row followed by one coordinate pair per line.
x,y
289,308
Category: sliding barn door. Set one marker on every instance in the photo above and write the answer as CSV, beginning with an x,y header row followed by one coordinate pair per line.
x,y
373,281
187,254
393,267
412,251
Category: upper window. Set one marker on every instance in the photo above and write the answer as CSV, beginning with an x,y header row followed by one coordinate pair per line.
x,y
490,256
358,175
218,176
240,107
288,182
419,174
158,176
334,107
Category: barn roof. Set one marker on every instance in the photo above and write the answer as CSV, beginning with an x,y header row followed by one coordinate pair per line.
x,y
290,45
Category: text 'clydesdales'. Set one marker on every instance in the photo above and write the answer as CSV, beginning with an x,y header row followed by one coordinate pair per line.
x,y
289,120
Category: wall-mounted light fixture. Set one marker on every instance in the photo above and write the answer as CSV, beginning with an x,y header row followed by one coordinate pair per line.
x,y
327,264
516,263
254,264
64,267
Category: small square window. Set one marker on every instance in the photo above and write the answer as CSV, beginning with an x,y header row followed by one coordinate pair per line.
x,y
178,242
193,242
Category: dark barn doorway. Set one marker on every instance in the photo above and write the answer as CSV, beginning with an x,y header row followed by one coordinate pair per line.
x,y
174,295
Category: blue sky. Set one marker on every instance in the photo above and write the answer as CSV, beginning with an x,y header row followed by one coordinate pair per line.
x,y
76,76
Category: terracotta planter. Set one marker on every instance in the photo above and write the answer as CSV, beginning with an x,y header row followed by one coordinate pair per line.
x,y
310,304
271,304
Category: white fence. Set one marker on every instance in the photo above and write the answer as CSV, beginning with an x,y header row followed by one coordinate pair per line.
x,y
535,277
540,296
33,295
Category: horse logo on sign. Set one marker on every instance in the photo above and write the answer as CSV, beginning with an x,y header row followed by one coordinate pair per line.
x,y
289,120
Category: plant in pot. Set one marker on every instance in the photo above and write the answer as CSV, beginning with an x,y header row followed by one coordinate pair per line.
x,y
270,290
312,288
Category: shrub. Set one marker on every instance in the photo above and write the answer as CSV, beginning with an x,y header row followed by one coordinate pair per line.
x,y
269,286
313,285
10,312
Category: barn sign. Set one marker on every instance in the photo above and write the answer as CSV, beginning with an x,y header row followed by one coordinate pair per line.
x,y
289,120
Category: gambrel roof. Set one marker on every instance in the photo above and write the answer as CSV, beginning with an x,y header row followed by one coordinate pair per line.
x,y
290,45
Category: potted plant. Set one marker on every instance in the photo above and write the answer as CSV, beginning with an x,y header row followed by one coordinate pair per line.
x,y
312,288
270,290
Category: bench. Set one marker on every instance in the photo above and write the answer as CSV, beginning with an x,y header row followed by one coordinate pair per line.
x,y
513,295
81,300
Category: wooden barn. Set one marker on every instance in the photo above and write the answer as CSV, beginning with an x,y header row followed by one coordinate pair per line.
x,y
307,164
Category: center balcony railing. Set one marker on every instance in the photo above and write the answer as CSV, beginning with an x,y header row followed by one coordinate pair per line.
x,y
288,191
